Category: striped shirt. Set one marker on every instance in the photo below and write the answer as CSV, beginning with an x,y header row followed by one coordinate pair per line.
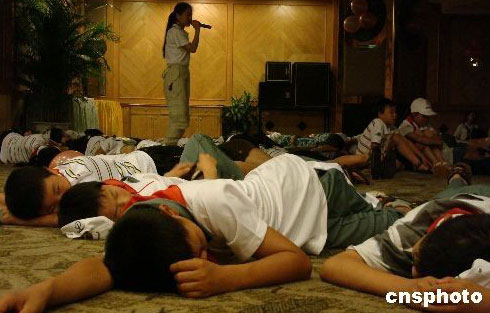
x,y
102,167
110,145
374,133
19,149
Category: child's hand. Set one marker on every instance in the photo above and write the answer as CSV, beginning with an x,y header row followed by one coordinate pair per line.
x,y
199,278
449,285
7,218
33,300
179,170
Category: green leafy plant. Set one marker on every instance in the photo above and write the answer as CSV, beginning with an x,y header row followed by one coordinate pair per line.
x,y
57,50
241,115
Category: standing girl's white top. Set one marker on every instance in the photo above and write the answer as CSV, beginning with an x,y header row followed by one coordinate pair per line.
x,y
283,193
176,39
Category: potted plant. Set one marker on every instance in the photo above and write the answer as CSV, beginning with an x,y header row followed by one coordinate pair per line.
x,y
57,50
241,115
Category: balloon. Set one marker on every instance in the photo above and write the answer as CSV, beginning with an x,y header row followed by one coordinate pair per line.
x,y
368,20
64,156
351,24
358,6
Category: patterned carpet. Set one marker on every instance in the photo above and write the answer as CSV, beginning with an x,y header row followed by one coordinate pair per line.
x,y
29,255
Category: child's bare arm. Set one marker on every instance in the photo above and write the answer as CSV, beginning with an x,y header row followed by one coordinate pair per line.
x,y
84,279
179,170
421,138
7,218
279,261
349,270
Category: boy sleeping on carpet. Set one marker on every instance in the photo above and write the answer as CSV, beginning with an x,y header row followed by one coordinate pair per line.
x,y
32,194
281,210
420,252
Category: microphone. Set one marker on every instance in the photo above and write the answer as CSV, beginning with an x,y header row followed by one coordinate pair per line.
x,y
205,25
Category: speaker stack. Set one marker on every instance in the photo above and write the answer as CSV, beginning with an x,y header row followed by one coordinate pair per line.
x,y
302,84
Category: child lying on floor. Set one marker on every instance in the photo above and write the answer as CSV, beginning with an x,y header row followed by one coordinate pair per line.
x,y
18,149
281,210
438,239
32,194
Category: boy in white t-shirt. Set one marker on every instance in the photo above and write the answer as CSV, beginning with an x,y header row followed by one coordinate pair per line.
x,y
275,215
440,238
417,129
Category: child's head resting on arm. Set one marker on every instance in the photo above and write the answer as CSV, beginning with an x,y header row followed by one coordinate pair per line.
x,y
92,199
452,247
145,242
34,191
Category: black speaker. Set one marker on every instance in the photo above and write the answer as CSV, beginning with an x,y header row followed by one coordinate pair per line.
x,y
278,71
276,94
311,84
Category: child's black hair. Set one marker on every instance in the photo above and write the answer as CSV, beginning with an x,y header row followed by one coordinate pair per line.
x,y
79,202
141,247
382,104
172,19
452,247
56,134
44,156
91,132
79,144
24,191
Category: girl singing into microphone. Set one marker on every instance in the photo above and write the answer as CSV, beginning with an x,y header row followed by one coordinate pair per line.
x,y
176,50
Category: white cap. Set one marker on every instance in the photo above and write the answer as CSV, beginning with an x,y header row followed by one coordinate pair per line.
x,y
422,106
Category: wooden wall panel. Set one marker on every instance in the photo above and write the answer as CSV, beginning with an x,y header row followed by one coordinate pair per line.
x,y
274,33
141,30
231,56
208,64
467,86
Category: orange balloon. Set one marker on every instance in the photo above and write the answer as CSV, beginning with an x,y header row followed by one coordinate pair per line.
x,y
64,156
351,24
368,20
358,6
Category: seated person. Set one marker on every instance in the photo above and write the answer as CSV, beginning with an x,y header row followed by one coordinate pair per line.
x,y
470,145
464,131
438,239
417,129
45,187
381,135
475,139
275,215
